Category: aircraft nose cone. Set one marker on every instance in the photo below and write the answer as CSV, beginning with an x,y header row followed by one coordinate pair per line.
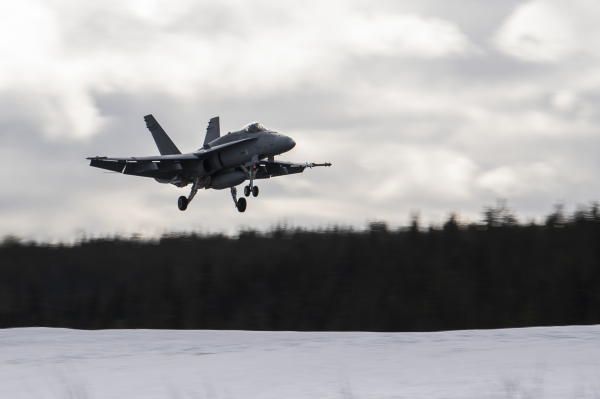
x,y
286,143
291,143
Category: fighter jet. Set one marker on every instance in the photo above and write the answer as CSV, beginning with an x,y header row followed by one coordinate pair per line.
x,y
223,162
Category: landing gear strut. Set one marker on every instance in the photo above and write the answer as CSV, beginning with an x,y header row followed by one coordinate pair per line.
x,y
199,182
240,204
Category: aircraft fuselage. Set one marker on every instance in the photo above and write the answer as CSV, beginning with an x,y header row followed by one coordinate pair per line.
x,y
257,146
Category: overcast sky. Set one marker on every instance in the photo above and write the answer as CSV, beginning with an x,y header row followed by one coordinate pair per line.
x,y
429,106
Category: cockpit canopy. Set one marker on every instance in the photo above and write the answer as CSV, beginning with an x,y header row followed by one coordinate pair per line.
x,y
254,127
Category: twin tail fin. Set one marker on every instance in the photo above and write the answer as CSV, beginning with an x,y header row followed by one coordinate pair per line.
x,y
213,131
163,142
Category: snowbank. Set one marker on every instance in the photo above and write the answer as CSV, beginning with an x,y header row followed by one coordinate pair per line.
x,y
550,362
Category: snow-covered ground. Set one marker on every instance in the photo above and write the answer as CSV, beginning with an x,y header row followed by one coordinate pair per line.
x,y
556,362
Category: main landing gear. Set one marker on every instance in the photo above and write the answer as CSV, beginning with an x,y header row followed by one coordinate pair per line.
x,y
199,182
182,203
241,203
204,181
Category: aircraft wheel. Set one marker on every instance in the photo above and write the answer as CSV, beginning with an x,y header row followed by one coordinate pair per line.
x,y
182,203
241,204
247,191
255,191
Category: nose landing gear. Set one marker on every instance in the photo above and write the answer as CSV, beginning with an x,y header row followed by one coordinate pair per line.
x,y
251,190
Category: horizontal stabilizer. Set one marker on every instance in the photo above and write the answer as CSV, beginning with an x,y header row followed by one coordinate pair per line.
x,y
163,142
213,131
108,165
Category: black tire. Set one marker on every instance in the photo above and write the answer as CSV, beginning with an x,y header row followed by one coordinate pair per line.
x,y
247,191
255,191
182,203
241,205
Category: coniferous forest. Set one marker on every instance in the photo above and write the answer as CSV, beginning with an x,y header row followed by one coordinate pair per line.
x,y
496,273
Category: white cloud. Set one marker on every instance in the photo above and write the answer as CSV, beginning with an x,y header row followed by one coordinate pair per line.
x,y
510,181
404,35
28,34
156,12
550,30
564,100
67,51
404,171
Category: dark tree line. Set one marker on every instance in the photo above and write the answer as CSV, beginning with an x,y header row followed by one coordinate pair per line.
x,y
494,274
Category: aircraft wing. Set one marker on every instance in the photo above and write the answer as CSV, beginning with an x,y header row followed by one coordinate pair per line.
x,y
157,158
117,164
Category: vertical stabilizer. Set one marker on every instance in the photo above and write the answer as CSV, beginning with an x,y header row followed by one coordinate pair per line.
x,y
213,131
162,140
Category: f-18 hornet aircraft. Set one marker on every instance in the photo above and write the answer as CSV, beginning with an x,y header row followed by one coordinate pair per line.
x,y
223,162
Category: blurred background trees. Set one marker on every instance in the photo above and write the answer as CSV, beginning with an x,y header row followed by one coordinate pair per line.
x,y
494,274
